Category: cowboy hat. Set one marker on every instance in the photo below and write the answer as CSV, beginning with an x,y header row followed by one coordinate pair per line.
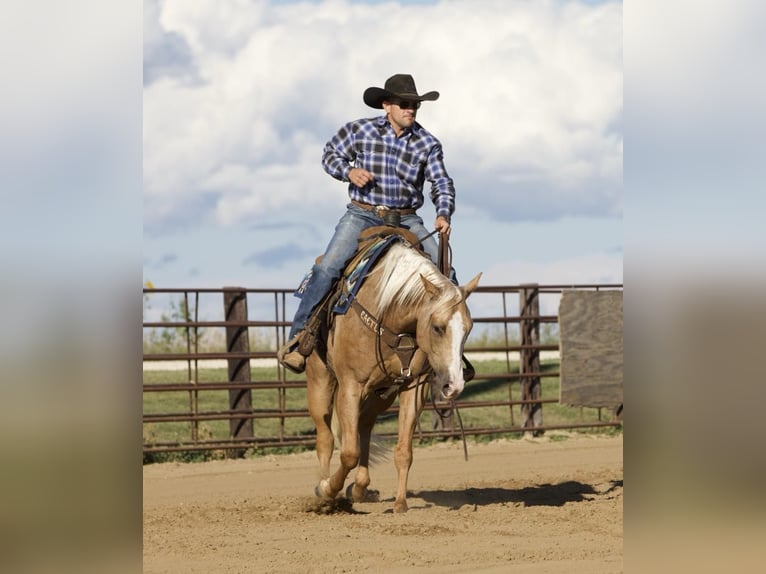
x,y
398,86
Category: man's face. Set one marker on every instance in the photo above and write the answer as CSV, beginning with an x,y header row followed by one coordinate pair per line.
x,y
401,113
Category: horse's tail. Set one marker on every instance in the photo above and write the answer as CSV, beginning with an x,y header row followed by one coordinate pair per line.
x,y
379,451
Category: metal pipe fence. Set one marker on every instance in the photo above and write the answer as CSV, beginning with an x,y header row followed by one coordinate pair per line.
x,y
213,383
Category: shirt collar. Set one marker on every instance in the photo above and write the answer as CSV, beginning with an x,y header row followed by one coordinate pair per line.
x,y
385,127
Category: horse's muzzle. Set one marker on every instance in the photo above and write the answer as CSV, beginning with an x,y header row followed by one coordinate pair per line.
x,y
451,391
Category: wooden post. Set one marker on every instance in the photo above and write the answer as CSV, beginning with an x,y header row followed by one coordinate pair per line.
x,y
529,362
237,341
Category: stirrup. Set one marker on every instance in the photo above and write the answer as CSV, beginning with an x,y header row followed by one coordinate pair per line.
x,y
306,342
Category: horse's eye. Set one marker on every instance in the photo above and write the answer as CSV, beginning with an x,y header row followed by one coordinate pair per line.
x,y
437,330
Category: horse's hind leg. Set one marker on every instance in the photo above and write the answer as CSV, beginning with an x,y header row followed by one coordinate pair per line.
x,y
411,404
319,391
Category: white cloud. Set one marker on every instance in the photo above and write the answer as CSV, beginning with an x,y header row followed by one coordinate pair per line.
x,y
595,268
590,269
529,114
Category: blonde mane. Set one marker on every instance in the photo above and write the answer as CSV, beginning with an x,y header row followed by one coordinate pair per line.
x,y
399,278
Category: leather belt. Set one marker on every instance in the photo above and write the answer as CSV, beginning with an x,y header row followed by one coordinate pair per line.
x,y
380,210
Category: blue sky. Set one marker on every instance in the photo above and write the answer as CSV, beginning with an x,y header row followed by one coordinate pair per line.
x,y
239,99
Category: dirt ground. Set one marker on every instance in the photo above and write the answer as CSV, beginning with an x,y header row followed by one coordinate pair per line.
x,y
551,504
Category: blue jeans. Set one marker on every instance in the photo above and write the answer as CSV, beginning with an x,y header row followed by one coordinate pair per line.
x,y
341,248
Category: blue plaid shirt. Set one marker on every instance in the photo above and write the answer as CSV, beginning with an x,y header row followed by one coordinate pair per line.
x,y
400,165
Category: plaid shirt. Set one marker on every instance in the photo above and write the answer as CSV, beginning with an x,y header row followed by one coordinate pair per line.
x,y
400,165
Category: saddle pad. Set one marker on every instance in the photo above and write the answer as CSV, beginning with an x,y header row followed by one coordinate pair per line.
x,y
354,276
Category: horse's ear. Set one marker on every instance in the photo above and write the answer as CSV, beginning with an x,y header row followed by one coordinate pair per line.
x,y
472,285
431,289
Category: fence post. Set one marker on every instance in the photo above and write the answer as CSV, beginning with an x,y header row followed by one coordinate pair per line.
x,y
237,341
529,306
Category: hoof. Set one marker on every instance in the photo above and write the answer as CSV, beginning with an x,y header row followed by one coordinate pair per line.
x,y
400,507
367,494
322,490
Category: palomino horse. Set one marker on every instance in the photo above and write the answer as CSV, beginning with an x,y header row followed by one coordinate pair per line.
x,y
408,323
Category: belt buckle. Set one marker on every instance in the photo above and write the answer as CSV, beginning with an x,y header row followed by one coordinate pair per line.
x,y
390,217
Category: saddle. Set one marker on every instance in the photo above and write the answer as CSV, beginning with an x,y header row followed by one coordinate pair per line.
x,y
372,243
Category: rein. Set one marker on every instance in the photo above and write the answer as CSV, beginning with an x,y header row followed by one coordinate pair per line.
x,y
445,266
422,239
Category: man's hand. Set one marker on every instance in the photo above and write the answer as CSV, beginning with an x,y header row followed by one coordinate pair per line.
x,y
443,225
360,177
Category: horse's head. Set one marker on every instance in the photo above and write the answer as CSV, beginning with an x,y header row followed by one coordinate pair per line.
x,y
443,327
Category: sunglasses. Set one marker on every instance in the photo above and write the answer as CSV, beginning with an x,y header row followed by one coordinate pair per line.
x,y
406,105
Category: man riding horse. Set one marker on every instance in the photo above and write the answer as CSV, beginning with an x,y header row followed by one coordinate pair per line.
x,y
386,161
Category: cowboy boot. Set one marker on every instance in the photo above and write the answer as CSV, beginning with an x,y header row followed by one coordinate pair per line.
x,y
289,356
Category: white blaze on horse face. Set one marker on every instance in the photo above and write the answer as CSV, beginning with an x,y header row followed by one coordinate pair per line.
x,y
457,330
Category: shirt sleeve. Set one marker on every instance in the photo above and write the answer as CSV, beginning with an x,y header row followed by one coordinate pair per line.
x,y
442,186
339,153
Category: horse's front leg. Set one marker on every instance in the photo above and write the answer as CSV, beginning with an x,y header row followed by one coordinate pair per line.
x,y
372,406
347,411
411,402
320,386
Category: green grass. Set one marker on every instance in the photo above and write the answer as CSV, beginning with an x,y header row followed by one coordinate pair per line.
x,y
481,390
218,400
270,399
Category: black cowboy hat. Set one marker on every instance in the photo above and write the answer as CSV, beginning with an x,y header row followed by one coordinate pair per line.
x,y
398,86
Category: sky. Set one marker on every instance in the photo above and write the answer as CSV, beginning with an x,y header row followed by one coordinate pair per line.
x,y
240,97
